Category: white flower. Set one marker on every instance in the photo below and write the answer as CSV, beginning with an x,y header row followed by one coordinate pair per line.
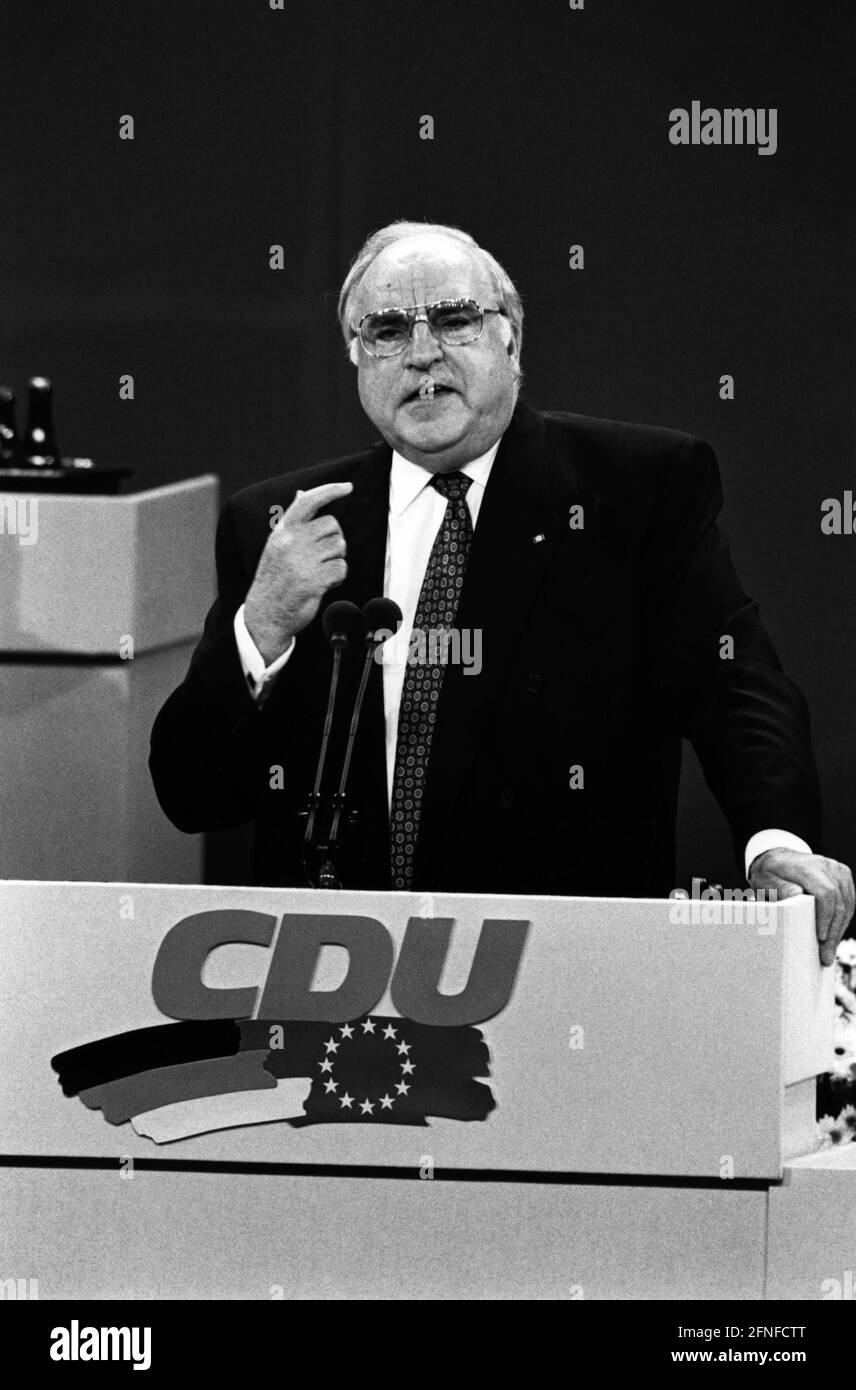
x,y
846,952
845,999
848,1118
844,1048
833,1132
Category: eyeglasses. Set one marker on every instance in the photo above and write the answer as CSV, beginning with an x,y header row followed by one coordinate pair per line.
x,y
454,322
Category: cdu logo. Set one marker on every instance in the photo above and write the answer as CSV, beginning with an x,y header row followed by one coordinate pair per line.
x,y
288,1052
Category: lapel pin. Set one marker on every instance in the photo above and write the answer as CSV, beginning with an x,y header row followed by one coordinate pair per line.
x,y
540,537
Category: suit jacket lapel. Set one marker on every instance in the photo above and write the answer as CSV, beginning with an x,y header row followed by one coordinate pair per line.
x,y
363,517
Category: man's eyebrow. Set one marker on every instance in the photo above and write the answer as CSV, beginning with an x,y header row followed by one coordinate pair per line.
x,y
438,299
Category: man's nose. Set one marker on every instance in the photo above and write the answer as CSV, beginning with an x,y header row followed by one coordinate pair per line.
x,y
423,347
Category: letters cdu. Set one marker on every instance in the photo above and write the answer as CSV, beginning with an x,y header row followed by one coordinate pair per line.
x,y
179,991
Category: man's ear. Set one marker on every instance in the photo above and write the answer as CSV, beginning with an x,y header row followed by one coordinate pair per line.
x,y
354,350
510,337
511,349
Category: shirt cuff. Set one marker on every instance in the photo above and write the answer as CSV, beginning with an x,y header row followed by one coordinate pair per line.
x,y
772,839
259,677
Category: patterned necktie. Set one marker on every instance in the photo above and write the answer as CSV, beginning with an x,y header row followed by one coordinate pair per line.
x,y
436,609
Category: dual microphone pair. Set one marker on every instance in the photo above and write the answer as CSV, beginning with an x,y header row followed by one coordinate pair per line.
x,y
346,627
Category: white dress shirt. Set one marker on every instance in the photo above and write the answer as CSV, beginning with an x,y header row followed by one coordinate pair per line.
x,y
415,512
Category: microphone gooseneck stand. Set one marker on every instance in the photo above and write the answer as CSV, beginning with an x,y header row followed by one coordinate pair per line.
x,y
341,622
379,619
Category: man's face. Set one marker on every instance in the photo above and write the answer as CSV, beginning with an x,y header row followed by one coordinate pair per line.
x,y
459,423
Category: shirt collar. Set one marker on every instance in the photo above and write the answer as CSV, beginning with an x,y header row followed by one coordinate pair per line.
x,y
407,480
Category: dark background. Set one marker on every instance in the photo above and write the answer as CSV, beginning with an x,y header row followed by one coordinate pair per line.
x,y
301,127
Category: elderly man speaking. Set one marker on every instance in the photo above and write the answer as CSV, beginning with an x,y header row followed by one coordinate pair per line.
x,y
580,557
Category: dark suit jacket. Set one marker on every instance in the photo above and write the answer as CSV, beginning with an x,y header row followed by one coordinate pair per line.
x,y
601,649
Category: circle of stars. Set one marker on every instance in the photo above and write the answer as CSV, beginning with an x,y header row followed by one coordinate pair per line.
x,y
345,1034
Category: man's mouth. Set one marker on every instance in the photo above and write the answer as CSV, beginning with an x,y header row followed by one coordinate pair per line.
x,y
428,390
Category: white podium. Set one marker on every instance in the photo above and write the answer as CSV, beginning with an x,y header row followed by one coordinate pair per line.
x,y
102,604
604,1102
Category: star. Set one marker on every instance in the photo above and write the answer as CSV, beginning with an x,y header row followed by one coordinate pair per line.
x,y
407,1067
389,1031
404,1048
331,1086
346,1031
402,1088
386,1102
326,1065
368,1026
331,1045
367,1107
346,1101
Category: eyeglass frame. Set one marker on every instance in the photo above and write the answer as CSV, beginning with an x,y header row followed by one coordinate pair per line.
x,y
414,317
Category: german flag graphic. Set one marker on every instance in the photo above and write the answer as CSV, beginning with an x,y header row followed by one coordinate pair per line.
x,y
176,1080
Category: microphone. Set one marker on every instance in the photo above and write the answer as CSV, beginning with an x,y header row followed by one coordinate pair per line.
x,y
380,615
380,619
342,622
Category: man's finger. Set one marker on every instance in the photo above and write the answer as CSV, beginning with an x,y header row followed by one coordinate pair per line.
x,y
322,527
849,891
332,548
333,572
840,875
829,947
306,504
773,882
826,900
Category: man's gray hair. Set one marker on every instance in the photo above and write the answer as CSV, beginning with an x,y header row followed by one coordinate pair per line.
x,y
508,297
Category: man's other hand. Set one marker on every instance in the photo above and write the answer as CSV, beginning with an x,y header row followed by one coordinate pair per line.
x,y
304,557
790,871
